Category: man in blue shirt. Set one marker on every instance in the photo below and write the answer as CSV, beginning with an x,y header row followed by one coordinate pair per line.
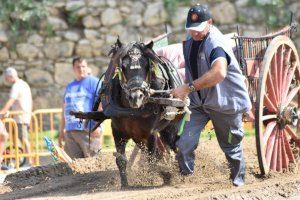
x,y
80,95
217,92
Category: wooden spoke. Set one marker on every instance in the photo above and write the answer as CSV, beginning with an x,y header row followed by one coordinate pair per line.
x,y
271,89
285,158
267,117
286,67
279,70
291,95
274,153
269,104
269,129
270,147
279,154
288,149
274,74
288,81
291,132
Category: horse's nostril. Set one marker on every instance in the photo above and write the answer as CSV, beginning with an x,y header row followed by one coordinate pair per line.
x,y
141,96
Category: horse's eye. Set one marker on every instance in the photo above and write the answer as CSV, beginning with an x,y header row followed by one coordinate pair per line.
x,y
125,63
143,62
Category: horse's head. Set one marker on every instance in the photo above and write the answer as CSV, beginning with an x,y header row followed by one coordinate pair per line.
x,y
133,64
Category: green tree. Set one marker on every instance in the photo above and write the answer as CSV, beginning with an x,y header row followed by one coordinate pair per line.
x,y
275,11
171,6
23,15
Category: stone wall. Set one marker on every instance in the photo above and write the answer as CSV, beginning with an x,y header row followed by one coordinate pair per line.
x,y
88,28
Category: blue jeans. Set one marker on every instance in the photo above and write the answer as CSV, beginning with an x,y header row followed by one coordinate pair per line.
x,y
229,132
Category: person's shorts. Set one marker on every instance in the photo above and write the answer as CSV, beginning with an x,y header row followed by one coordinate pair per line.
x,y
77,144
23,130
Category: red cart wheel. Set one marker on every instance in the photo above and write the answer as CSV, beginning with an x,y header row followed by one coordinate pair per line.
x,y
277,123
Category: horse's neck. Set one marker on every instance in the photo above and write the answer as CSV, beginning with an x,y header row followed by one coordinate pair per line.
x,y
158,84
124,101
158,79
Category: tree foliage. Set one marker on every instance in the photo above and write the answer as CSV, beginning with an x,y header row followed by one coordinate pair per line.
x,y
23,14
275,11
171,6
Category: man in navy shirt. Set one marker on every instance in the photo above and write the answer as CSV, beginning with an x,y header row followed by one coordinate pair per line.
x,y
217,92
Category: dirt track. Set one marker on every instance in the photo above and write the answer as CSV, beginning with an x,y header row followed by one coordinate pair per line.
x,y
99,179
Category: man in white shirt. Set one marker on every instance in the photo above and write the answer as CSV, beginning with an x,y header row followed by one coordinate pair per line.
x,y
20,99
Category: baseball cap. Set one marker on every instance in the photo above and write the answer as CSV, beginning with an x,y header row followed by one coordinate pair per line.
x,y
197,18
10,71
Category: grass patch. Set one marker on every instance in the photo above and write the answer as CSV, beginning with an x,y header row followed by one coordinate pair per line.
x,y
209,134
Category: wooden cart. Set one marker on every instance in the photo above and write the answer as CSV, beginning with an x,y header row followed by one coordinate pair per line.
x,y
271,66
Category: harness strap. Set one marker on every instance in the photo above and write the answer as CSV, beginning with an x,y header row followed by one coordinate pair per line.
x,y
182,125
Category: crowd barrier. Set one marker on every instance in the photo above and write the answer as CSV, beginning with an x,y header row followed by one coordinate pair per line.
x,y
44,122
10,154
21,150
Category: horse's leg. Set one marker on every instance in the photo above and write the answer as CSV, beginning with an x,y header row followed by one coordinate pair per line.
x,y
152,148
133,156
169,136
155,150
121,160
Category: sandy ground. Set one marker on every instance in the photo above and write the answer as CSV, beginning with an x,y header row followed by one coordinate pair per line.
x,y
98,178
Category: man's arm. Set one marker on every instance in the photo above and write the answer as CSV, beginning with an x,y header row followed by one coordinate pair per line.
x,y
214,76
7,106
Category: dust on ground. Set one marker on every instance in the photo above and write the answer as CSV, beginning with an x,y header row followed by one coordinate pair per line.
x,y
98,178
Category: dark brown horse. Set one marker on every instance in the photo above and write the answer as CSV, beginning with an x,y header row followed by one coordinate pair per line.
x,y
135,96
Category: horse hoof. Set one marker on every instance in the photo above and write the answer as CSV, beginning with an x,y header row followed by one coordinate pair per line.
x,y
125,186
167,177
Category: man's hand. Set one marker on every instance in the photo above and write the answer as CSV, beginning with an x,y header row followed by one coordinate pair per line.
x,y
181,92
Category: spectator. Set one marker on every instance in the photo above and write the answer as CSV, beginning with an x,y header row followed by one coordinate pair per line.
x,y
3,138
217,92
20,100
80,95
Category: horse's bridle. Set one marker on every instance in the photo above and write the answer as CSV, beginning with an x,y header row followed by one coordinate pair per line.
x,y
135,83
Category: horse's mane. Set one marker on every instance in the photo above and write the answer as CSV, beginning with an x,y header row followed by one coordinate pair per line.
x,y
119,50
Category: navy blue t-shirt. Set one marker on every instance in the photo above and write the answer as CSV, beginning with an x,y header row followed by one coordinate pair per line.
x,y
215,53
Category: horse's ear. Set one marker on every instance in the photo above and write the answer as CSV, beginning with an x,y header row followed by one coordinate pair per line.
x,y
119,43
150,45
115,47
